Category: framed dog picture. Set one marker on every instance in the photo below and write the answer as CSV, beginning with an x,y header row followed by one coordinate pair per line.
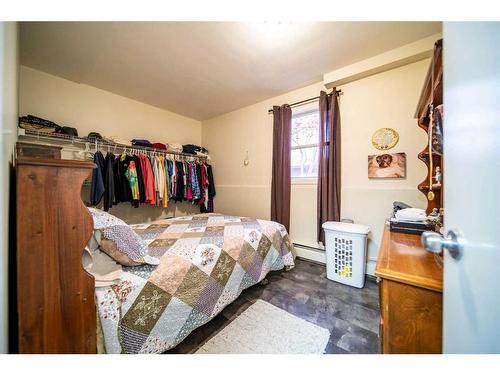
x,y
387,165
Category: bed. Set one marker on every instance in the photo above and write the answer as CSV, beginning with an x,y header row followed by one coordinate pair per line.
x,y
205,262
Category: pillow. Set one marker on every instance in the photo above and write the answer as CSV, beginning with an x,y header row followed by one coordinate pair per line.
x,y
106,271
119,240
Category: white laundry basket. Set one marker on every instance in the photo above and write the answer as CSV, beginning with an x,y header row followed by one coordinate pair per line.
x,y
345,245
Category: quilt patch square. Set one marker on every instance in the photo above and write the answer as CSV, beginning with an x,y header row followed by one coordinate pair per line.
x,y
143,271
159,225
209,297
132,341
185,246
232,219
217,229
196,229
169,325
196,318
256,268
225,299
235,279
213,240
177,228
234,230
233,246
193,234
223,268
264,246
246,282
205,257
197,226
170,273
192,286
246,256
250,224
160,246
252,236
146,309
215,220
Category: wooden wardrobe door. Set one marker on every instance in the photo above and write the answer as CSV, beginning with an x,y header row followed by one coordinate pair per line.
x,y
55,301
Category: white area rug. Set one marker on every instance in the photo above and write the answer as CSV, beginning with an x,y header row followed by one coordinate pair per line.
x,y
267,329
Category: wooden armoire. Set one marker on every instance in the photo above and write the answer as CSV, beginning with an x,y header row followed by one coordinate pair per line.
x,y
55,295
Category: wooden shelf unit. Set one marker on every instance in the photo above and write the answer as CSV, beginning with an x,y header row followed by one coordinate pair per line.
x,y
432,93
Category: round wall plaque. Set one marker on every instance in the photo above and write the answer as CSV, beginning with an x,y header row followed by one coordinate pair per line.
x,y
385,138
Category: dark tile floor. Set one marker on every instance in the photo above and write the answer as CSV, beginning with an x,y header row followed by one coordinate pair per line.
x,y
350,314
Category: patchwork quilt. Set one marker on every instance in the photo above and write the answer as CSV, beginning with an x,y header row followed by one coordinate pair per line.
x,y
205,262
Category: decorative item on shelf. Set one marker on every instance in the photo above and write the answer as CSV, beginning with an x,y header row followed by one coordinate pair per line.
x,y
246,161
387,165
437,177
385,138
434,215
437,130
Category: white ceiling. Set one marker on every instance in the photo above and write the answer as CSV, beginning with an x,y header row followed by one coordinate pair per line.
x,y
203,69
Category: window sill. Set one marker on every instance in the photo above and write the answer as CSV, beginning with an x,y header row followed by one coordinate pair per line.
x,y
304,181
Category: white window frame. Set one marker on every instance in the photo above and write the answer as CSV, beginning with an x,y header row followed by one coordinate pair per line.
x,y
310,108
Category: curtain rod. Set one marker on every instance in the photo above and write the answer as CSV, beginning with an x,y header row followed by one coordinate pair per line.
x,y
337,92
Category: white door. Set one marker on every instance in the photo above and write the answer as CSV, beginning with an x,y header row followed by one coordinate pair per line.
x,y
471,306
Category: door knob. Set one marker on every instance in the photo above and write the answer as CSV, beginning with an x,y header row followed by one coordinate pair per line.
x,y
452,241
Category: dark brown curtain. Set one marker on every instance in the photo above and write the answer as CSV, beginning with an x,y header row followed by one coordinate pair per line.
x,y
280,187
329,161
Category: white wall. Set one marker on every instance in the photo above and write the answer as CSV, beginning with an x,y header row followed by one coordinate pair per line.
x,y
90,109
386,99
389,100
9,57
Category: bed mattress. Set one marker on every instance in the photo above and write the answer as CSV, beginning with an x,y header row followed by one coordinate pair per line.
x,y
205,262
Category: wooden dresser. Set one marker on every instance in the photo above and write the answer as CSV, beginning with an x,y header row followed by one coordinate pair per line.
x,y
410,288
55,295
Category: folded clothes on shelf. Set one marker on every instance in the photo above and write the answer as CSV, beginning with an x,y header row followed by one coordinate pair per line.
x,y
159,146
142,143
194,149
174,147
411,214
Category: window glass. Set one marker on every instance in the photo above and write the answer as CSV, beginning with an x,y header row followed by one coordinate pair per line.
x,y
305,139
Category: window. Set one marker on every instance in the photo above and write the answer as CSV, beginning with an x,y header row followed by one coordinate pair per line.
x,y
305,140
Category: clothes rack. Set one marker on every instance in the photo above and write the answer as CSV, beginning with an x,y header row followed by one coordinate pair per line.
x,y
92,145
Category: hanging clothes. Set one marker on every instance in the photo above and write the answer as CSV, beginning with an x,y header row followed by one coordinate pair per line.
x,y
116,180
195,186
154,162
148,178
211,189
169,178
125,189
154,179
140,179
211,183
179,195
174,180
164,191
97,186
109,181
131,174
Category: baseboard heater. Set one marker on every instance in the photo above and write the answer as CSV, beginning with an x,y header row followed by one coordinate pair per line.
x,y
308,247
310,253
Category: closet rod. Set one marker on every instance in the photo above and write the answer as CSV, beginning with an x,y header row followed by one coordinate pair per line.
x,y
72,139
337,92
